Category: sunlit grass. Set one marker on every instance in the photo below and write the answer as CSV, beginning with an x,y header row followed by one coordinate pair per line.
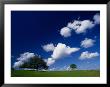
x,y
75,73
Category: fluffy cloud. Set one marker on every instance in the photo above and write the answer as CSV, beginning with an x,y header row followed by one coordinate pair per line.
x,y
86,24
66,32
87,43
81,26
48,47
96,19
23,58
17,64
74,25
62,50
50,61
87,55
68,68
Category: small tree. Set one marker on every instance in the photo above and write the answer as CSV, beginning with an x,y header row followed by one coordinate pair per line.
x,y
73,66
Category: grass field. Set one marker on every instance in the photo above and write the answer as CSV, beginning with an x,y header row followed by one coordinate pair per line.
x,y
75,73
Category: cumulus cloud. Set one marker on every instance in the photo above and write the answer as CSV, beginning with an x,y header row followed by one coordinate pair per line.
x,y
66,32
96,18
74,25
81,26
62,50
48,47
68,68
87,55
23,58
18,64
87,43
50,61
86,24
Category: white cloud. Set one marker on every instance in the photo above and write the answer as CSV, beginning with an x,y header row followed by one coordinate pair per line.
x,y
66,32
62,50
23,58
18,64
86,24
65,68
68,68
96,18
74,25
52,69
50,61
87,55
48,47
81,26
87,43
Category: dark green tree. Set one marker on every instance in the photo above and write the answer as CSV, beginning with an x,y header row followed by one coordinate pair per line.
x,y
35,63
73,66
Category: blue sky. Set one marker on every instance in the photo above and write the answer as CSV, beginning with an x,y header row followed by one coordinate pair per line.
x,y
65,31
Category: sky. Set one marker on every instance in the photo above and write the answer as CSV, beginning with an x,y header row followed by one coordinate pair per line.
x,y
61,38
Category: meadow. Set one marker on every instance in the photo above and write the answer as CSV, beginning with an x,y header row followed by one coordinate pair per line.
x,y
75,73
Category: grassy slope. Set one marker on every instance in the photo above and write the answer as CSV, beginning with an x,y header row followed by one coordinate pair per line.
x,y
76,73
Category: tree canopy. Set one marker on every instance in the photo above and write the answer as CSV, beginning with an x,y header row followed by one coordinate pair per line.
x,y
35,63
73,66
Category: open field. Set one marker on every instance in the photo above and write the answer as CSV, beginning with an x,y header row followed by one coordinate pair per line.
x,y
75,73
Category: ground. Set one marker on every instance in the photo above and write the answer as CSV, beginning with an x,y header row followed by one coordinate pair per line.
x,y
75,73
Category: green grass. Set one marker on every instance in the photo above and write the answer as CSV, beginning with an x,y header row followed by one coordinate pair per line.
x,y
75,73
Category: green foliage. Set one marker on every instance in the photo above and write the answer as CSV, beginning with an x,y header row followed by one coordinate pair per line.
x,y
73,66
35,63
